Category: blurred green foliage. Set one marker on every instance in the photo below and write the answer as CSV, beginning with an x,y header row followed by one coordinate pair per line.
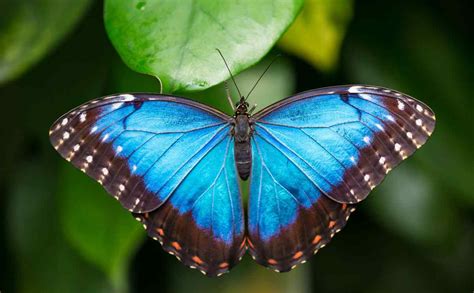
x,y
415,233
28,29
98,227
318,31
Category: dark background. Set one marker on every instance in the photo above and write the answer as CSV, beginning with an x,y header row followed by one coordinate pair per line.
x,y
415,233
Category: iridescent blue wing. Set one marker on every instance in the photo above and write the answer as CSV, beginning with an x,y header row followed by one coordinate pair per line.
x,y
168,160
317,154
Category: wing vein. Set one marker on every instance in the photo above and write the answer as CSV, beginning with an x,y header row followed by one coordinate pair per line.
x,y
284,154
187,161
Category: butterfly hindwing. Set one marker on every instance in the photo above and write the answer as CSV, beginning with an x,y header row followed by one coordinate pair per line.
x,y
206,199
318,153
168,160
289,218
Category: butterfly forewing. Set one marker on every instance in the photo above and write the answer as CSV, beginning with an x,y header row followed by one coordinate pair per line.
x,y
168,160
318,153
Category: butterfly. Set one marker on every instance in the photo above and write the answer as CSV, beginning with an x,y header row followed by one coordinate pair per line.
x,y
310,158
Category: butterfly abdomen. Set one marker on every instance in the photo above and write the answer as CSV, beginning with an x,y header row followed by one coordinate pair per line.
x,y
242,150
243,159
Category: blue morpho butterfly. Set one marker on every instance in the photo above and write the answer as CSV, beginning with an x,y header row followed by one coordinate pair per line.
x,y
175,164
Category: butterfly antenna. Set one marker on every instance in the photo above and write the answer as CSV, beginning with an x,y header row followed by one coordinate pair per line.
x,y
263,73
225,62
229,98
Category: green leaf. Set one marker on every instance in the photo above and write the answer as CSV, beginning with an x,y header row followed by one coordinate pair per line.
x,y
29,29
317,33
96,225
177,42
122,79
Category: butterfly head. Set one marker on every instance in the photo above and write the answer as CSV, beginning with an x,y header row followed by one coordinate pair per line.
x,y
241,108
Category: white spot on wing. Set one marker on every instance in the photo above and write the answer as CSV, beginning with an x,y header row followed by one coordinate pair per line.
x,y
127,97
116,106
119,149
366,97
409,134
401,106
105,171
397,147
65,135
419,122
64,122
89,159
367,177
382,160
419,108
76,147
121,187
366,139
83,116
354,89
94,129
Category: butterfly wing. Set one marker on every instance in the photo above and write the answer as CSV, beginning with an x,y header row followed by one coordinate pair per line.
x,y
168,160
317,154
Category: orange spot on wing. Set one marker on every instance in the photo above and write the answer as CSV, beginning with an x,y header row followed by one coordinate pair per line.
x,y
242,244
176,245
223,265
272,261
317,239
160,231
298,255
250,243
332,224
146,215
344,206
197,260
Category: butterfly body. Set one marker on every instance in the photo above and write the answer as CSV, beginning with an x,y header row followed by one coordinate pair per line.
x,y
242,132
175,164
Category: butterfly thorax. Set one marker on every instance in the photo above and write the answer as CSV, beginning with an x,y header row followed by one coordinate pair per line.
x,y
242,131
